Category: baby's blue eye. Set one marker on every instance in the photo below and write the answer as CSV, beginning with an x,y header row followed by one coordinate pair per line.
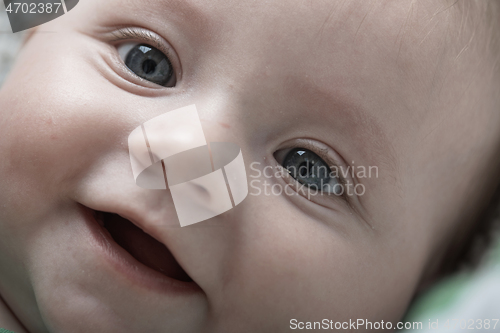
x,y
150,64
309,169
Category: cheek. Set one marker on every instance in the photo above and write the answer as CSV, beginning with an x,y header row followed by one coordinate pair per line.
x,y
59,118
287,259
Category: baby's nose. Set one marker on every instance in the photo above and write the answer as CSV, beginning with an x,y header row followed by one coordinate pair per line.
x,y
170,151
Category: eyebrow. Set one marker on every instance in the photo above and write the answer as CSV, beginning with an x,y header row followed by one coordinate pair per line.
x,y
362,127
184,7
190,16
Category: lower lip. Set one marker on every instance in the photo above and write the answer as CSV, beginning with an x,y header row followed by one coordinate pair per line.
x,y
136,272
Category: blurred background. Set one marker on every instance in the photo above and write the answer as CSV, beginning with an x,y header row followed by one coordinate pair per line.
x,y
468,300
9,43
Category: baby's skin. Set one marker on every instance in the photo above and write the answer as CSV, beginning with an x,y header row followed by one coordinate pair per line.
x,y
408,87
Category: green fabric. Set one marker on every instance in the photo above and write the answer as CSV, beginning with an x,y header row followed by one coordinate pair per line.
x,y
495,255
445,294
442,296
3,330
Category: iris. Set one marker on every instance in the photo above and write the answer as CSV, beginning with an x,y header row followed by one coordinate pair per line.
x,y
307,168
151,64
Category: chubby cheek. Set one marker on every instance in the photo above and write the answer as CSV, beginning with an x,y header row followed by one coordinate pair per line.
x,y
289,265
54,128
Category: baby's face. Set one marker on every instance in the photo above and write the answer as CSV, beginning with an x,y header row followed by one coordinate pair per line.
x,y
344,82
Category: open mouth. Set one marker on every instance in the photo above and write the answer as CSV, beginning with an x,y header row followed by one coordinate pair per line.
x,y
141,246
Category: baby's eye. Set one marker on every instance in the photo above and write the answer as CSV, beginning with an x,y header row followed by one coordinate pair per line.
x,y
148,63
311,170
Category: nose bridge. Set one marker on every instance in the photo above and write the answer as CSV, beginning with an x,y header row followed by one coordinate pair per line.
x,y
236,109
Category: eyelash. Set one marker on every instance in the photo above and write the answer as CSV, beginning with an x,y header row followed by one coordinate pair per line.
x,y
143,35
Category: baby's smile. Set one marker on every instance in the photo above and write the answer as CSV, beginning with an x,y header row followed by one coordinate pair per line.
x,y
114,234
304,88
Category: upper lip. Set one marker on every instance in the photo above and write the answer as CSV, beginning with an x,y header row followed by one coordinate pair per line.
x,y
142,221
138,217
149,225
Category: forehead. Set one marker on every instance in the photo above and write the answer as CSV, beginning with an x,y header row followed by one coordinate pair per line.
x,y
333,29
339,26
347,45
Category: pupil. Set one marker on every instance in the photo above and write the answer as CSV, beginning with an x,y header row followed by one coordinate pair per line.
x,y
304,169
149,66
